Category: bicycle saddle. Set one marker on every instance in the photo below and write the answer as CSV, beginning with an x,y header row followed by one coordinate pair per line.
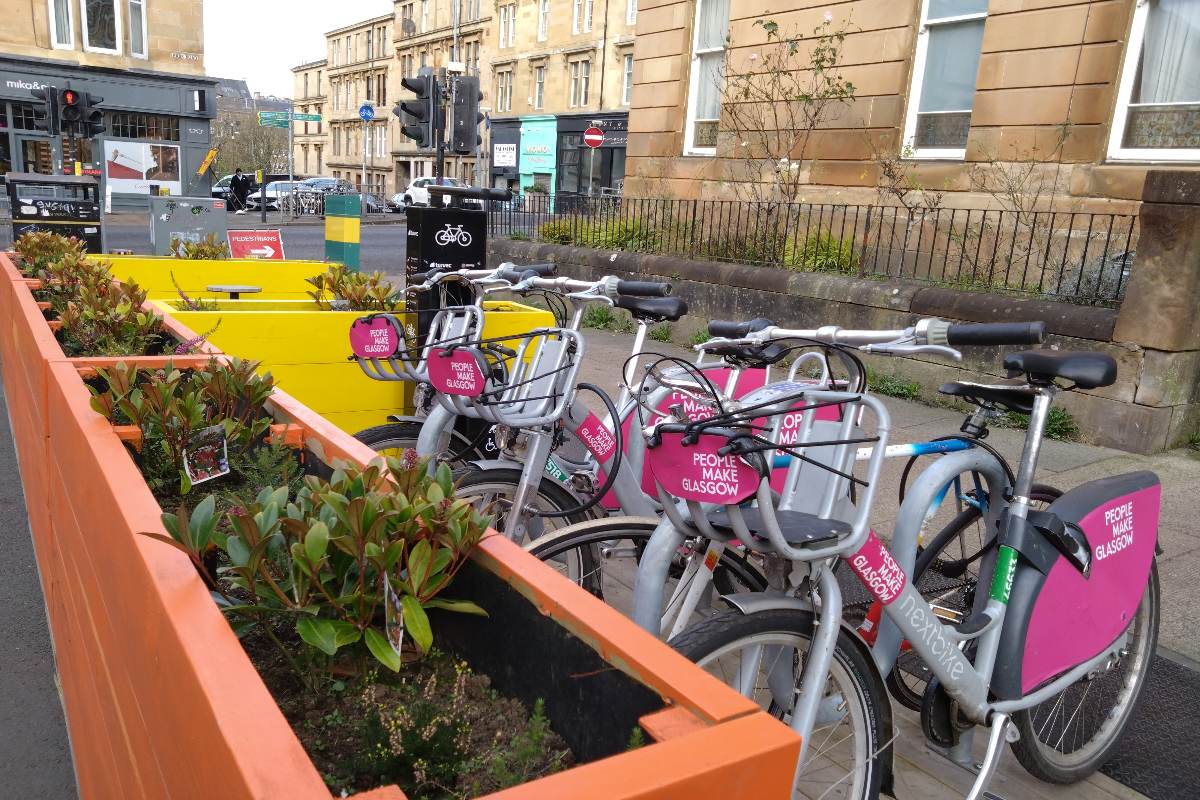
x,y
654,309
1085,370
1014,398
798,528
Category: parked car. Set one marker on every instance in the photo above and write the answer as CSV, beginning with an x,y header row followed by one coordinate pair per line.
x,y
220,189
327,186
377,205
275,191
417,193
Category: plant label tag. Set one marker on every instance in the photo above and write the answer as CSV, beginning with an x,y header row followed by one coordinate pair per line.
x,y
207,455
393,617
455,372
373,338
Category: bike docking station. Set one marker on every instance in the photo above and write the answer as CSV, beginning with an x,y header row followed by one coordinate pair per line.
x,y
445,235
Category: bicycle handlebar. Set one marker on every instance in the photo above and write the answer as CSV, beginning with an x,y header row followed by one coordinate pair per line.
x,y
542,270
996,333
643,288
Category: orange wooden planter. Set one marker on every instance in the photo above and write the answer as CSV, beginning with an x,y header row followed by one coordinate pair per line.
x,y
161,699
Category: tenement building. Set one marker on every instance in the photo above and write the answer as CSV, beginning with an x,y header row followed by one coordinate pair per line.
x,y
359,69
311,90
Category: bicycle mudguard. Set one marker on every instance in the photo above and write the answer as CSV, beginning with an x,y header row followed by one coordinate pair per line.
x,y
1059,617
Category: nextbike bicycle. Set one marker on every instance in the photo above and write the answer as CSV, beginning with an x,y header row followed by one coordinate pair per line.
x,y
1052,656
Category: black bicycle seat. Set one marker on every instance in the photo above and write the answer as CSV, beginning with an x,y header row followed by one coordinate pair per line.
x,y
654,309
798,528
1014,398
1085,370
751,355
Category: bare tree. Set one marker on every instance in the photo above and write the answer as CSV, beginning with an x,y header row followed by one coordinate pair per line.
x,y
241,142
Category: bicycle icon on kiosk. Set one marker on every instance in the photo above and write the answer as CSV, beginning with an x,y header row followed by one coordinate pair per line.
x,y
453,234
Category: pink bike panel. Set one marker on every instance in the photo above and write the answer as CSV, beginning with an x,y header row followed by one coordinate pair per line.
x,y
455,372
376,338
698,473
878,571
749,381
1075,617
597,438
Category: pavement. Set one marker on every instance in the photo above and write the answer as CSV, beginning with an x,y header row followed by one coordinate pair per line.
x,y
35,752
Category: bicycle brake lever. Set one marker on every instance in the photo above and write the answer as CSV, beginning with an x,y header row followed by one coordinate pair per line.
x,y
911,349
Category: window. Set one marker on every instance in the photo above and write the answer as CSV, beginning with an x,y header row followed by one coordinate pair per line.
x,y
381,89
1158,100
406,66
539,87
504,82
512,23
62,25
627,84
944,69
370,90
406,20
23,117
337,141
631,12
424,58
581,16
101,26
581,78
125,125
370,46
472,61
707,75
137,29
543,20
306,84
472,10
424,15
349,56
381,140
503,24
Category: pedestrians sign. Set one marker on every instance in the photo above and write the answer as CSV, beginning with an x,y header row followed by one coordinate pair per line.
x,y
306,117
267,244
207,162
367,112
593,137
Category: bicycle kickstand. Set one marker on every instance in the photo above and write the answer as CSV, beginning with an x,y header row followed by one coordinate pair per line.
x,y
991,759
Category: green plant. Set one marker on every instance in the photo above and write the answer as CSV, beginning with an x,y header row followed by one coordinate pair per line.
x,y
343,289
38,249
519,236
107,319
624,323
537,188
207,249
661,333
557,231
1060,425
822,252
353,562
599,315
170,406
699,337
637,739
893,386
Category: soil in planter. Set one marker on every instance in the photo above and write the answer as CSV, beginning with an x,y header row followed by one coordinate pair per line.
x,y
437,729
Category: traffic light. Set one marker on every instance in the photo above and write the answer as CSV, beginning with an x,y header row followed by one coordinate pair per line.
x,y
45,110
466,139
93,115
419,118
70,109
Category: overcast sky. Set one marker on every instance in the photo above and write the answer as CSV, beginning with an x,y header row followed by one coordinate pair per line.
x,y
237,33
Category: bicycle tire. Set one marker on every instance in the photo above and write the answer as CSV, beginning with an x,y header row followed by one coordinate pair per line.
x,y
733,573
1048,763
852,672
908,678
404,436
550,495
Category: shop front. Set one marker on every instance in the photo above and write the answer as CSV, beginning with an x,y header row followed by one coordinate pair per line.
x,y
158,129
592,171
505,140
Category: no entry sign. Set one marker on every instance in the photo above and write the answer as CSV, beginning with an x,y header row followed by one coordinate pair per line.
x,y
593,137
256,244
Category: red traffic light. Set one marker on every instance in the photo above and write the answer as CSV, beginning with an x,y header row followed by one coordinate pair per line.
x,y
69,97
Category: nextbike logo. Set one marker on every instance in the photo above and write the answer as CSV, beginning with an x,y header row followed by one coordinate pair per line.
x,y
30,85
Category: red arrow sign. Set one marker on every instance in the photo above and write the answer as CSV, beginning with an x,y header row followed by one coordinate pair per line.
x,y
256,244
593,137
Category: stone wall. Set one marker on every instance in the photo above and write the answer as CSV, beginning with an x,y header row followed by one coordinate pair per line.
x,y
1154,405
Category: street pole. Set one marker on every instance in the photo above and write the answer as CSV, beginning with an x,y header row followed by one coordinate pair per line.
x,y
362,194
291,148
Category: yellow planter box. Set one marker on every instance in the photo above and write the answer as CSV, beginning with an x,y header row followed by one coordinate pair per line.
x,y
277,279
307,348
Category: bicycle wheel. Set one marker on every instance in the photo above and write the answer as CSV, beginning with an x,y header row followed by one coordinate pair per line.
x,y
946,574
850,745
495,488
602,556
1068,737
394,438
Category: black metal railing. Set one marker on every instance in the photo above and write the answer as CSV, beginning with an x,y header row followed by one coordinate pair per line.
x,y
1074,257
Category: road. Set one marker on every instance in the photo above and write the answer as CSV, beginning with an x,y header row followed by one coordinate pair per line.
x,y
383,245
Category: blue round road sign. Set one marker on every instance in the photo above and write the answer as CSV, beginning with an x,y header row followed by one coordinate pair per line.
x,y
366,112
